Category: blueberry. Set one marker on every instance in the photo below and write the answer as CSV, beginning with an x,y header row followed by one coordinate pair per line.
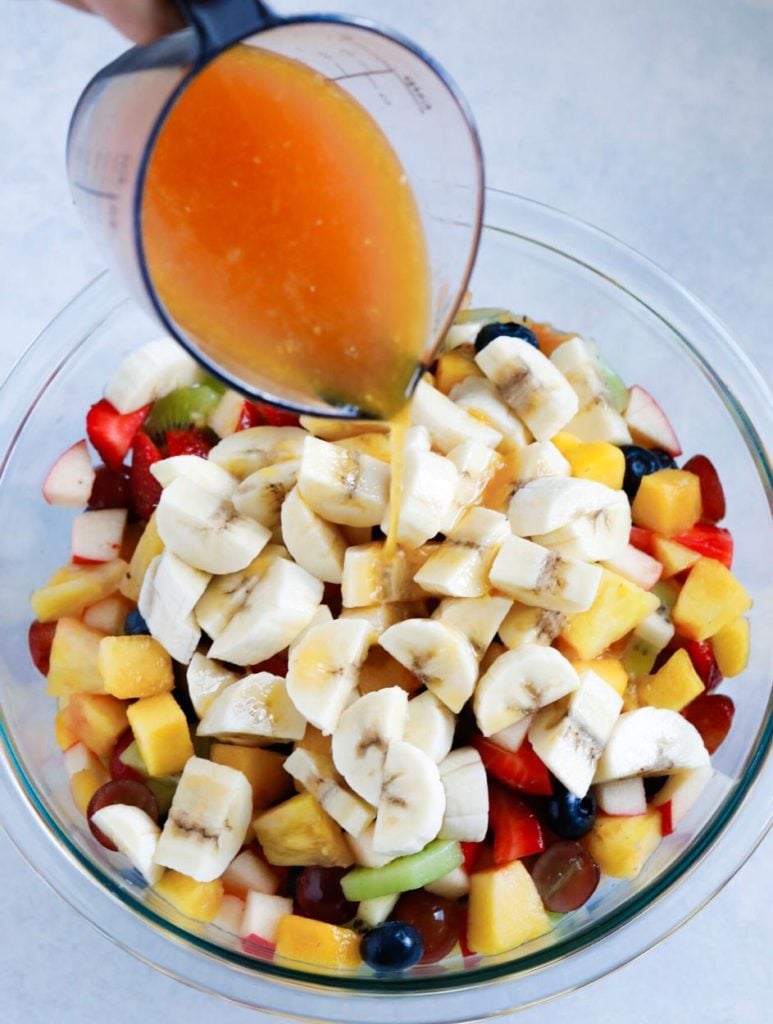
x,y
665,461
135,625
639,462
570,816
392,946
488,332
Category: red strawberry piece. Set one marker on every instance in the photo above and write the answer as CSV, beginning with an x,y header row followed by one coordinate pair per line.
x,y
250,417
112,433
111,488
712,494
276,417
146,490
520,769
517,831
712,715
471,853
40,637
709,541
187,442
642,539
116,767
703,661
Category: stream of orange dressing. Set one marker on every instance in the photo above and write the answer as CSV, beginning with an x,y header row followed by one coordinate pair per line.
x,y
282,236
398,427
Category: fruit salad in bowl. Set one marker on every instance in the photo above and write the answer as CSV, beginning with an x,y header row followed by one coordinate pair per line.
x,y
387,707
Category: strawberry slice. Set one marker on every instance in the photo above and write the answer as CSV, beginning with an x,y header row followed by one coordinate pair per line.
x,y
146,490
712,494
112,433
276,417
187,442
471,853
710,541
517,831
40,638
702,658
250,416
519,769
642,539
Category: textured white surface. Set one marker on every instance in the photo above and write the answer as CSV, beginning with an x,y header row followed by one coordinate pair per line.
x,y
651,120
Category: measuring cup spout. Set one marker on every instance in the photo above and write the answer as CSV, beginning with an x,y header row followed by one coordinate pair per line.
x,y
219,23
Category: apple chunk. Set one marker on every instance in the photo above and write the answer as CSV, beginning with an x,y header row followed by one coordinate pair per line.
x,y
648,423
71,478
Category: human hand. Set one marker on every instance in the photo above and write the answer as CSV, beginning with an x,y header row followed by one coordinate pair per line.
x,y
142,21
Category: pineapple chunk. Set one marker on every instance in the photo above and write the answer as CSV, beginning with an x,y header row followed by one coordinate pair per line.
x,y
609,669
505,909
135,666
731,647
618,608
672,556
63,734
85,783
599,461
199,900
380,669
621,845
299,833
630,694
74,587
161,732
710,599
668,501
73,666
302,940
96,719
148,547
673,686
264,770
453,367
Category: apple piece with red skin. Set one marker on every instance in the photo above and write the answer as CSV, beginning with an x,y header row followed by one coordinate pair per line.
x,y
97,536
678,795
248,872
40,638
642,539
229,916
712,494
648,423
70,479
262,913
78,758
624,798
636,566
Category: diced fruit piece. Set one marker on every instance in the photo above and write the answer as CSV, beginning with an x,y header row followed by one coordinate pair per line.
x,y
75,587
710,599
712,494
452,368
85,783
123,769
97,536
146,490
392,946
112,433
731,647
702,658
73,662
674,557
182,409
298,832
198,900
97,719
134,666
636,566
126,792
709,541
521,769
149,546
568,815
376,911
108,615
161,732
435,918
263,769
619,607
249,872
599,461
668,501
650,741
380,670
623,797
639,462
187,442
673,686
262,914
642,539
648,423
611,670
712,715
403,874
621,845
301,940
491,931
71,478
565,876
274,415
565,441
516,828
63,734
40,638
78,758
680,792
318,894
110,488
229,916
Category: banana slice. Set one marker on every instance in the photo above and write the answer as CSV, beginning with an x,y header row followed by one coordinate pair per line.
x,y
476,465
377,445
651,741
534,575
439,655
363,734
313,542
519,683
254,710
479,618
412,802
208,820
247,451
529,383
376,910
369,578
201,471
169,594
206,680
226,595
343,486
540,459
381,616
480,398
260,496
323,669
598,420
271,615
205,530
317,774
430,726
340,430
570,739
466,789
134,833
528,625
150,373
461,564
321,617
447,423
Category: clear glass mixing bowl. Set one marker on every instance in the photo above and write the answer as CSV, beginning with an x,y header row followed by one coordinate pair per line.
x,y
536,261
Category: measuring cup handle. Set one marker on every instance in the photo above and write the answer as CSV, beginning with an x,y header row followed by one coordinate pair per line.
x,y
219,23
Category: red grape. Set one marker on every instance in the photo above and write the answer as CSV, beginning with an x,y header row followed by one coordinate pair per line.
x,y
318,894
118,770
712,495
121,791
438,920
566,876
40,638
712,715
110,488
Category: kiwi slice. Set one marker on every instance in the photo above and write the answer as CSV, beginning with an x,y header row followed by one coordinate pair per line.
x,y
183,408
405,873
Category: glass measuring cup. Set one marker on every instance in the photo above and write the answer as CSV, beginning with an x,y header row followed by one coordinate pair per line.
x,y
122,112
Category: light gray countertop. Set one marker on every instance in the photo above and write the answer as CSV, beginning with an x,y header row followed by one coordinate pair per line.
x,y
651,120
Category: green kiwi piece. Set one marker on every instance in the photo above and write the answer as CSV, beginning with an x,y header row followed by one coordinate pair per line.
x,y
182,409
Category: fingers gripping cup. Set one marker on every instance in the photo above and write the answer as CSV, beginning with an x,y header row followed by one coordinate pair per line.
x,y
298,200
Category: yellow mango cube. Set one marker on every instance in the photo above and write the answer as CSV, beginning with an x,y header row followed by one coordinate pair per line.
x,y
505,909
301,940
565,442
731,647
299,833
85,783
264,770
148,547
619,606
134,666
162,734
609,669
674,557
599,461
74,587
63,734
452,368
73,665
710,599
668,501
199,900
96,719
673,686
621,845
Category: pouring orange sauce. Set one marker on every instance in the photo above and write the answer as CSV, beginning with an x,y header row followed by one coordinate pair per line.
x,y
281,234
